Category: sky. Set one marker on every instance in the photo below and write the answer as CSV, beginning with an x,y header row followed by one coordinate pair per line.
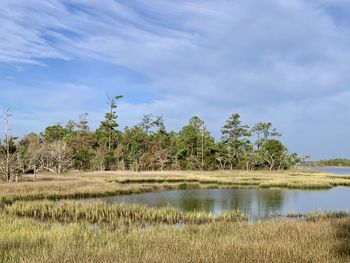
x,y
284,61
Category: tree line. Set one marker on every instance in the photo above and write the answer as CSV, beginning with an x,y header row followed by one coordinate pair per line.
x,y
331,162
144,147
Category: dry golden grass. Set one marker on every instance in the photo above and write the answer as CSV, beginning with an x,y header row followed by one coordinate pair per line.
x,y
26,240
75,232
94,184
116,214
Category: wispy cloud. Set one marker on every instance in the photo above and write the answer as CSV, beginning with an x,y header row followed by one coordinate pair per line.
x,y
285,60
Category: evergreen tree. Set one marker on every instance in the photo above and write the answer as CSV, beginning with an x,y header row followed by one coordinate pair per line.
x,y
54,133
109,124
263,132
235,137
146,146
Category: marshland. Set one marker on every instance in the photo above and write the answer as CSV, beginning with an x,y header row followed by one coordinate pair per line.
x,y
174,131
71,217
70,194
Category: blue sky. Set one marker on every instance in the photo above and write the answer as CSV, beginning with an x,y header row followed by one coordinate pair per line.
x,y
285,61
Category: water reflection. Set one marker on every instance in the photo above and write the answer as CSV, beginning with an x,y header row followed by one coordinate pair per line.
x,y
259,203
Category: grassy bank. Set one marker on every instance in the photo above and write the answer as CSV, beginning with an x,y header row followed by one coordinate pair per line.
x,y
27,240
88,185
68,231
114,215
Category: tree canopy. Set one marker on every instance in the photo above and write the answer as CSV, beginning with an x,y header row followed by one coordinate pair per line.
x,y
146,146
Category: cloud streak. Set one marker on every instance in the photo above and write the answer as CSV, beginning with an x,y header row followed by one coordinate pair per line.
x,y
284,61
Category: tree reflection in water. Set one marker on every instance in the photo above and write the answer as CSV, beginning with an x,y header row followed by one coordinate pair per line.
x,y
258,203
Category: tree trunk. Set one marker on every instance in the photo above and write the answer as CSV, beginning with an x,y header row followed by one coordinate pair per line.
x,y
35,171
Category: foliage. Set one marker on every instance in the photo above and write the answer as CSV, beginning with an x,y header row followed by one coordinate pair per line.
x,y
147,146
331,162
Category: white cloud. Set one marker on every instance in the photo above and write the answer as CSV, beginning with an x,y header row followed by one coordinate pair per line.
x,y
285,60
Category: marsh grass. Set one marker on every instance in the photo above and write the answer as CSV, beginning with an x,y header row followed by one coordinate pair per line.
x,y
344,177
27,240
68,231
5,202
297,185
316,216
90,185
114,215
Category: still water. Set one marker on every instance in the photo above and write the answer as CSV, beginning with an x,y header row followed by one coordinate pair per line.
x,y
333,170
258,203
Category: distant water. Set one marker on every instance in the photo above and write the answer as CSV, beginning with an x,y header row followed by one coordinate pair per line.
x,y
332,170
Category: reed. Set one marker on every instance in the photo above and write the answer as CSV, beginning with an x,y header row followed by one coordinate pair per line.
x,y
233,216
341,183
159,180
90,185
5,201
316,216
27,240
113,215
297,185
51,231
344,177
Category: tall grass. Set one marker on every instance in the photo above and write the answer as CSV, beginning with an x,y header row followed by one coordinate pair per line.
x,y
297,185
78,186
48,231
316,216
114,215
26,240
4,201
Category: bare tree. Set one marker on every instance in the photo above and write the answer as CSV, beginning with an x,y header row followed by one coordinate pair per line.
x,y
221,160
202,146
9,161
270,159
160,156
6,115
100,158
34,153
55,157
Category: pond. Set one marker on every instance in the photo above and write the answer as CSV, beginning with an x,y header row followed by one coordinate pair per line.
x,y
258,203
332,170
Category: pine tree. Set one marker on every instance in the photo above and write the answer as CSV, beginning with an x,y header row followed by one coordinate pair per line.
x,y
235,137
110,124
